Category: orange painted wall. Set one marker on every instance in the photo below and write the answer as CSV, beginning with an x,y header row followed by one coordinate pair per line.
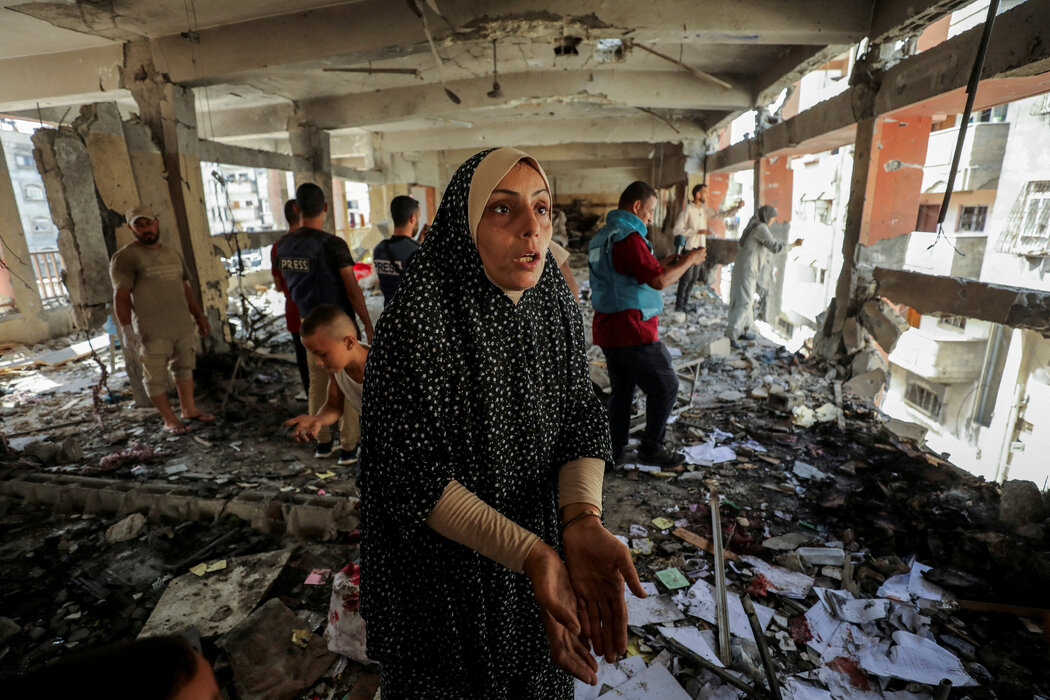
x,y
776,183
717,188
895,181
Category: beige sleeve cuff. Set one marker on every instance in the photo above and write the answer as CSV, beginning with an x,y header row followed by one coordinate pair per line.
x,y
464,518
580,481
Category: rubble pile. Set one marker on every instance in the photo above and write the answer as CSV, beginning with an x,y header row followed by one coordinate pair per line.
x,y
875,568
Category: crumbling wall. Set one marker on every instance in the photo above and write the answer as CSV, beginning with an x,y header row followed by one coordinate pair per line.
x,y
63,162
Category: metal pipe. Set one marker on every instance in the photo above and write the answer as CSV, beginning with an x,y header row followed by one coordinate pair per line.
x,y
725,653
763,648
943,690
720,672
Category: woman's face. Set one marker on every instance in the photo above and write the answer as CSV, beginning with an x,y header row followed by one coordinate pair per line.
x,y
515,229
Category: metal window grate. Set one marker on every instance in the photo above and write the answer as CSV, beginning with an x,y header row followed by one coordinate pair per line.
x,y
923,399
1028,227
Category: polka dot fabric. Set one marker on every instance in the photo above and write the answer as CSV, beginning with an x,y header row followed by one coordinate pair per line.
x,y
463,384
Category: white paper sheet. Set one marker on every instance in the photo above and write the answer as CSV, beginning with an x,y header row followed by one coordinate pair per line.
x,y
920,587
653,610
708,453
785,582
802,690
701,603
915,658
654,683
845,607
702,643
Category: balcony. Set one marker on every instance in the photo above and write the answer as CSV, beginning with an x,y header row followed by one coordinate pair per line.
x,y
939,359
981,161
957,254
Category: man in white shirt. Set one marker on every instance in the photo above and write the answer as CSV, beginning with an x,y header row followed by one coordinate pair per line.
x,y
692,223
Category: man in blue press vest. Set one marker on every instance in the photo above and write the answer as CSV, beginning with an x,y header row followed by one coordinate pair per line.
x,y
626,279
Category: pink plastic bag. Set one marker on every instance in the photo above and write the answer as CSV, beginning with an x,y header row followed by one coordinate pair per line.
x,y
345,633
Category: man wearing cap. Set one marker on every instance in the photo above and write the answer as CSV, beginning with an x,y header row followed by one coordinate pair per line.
x,y
151,285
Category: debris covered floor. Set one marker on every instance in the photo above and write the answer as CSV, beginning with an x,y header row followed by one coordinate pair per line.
x,y
111,526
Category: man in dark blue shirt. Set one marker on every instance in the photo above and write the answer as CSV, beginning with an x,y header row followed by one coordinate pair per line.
x,y
318,269
391,256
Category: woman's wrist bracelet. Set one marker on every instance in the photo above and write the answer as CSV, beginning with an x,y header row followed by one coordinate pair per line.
x,y
581,516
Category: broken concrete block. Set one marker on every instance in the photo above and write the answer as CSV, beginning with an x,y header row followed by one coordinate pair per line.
x,y
807,471
720,347
867,360
676,318
852,336
787,541
821,556
760,392
66,452
883,322
906,430
271,657
8,629
730,395
127,529
868,385
214,604
828,347
1021,503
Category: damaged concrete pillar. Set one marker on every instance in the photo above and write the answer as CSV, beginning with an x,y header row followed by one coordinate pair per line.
x,y
28,322
314,145
65,168
167,111
100,128
828,342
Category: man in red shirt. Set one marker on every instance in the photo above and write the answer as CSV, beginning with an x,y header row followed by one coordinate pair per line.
x,y
626,279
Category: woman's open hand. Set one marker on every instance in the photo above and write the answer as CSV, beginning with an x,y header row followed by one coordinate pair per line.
x,y
554,594
598,565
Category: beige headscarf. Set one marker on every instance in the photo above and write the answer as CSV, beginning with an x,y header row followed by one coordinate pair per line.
x,y
488,174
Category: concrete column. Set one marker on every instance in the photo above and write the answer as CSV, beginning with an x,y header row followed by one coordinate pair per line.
x,y
100,128
315,146
65,167
26,323
338,207
828,342
168,112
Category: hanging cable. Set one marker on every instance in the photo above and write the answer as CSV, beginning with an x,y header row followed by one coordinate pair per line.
x,y
971,95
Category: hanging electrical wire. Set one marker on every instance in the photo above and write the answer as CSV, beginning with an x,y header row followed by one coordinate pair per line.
x,y
971,95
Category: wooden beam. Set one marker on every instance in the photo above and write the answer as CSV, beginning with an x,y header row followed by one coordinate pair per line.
x,y
1016,307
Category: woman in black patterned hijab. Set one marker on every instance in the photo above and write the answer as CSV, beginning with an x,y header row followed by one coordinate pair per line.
x,y
483,450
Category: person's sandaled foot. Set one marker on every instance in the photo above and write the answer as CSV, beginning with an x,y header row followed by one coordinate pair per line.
x,y
202,417
177,429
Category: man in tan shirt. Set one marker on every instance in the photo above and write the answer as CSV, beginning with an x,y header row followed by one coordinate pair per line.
x,y
692,223
156,310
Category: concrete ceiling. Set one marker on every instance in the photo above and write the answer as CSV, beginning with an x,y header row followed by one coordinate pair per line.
x,y
252,64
